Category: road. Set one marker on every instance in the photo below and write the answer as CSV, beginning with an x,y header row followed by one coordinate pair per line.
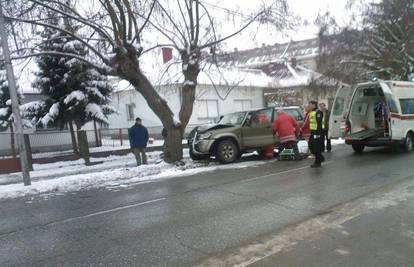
x,y
193,220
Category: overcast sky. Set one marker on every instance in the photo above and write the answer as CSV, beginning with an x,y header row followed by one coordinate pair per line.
x,y
307,10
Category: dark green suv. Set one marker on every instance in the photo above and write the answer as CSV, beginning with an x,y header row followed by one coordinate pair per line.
x,y
237,133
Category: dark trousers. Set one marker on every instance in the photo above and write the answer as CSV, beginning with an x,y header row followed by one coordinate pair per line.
x,y
326,139
316,145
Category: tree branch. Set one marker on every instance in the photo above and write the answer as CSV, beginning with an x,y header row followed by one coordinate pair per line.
x,y
78,17
64,31
103,69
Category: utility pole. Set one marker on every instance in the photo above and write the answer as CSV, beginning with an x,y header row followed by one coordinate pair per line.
x,y
14,100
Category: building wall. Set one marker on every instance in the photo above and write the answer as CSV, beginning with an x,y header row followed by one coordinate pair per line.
x,y
211,102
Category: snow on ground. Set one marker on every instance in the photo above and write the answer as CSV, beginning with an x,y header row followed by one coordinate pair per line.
x,y
339,141
114,172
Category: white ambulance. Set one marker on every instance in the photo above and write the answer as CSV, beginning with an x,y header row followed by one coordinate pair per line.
x,y
378,113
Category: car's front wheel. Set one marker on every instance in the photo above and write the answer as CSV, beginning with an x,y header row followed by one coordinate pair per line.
x,y
194,156
227,151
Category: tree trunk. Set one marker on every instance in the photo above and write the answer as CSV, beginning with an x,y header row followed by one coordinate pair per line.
x,y
12,141
191,69
128,68
73,137
173,148
83,145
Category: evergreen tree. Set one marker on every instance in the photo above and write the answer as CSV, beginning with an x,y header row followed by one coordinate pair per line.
x,y
5,103
6,113
75,92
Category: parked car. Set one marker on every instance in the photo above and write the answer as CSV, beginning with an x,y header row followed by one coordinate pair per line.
x,y
235,134
379,113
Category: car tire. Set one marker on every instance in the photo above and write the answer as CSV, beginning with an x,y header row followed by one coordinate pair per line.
x,y
358,148
408,143
196,157
261,152
227,151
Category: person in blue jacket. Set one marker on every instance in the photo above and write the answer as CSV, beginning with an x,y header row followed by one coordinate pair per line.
x,y
138,139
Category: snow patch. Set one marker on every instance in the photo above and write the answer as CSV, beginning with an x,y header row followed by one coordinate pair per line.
x,y
51,115
109,174
75,95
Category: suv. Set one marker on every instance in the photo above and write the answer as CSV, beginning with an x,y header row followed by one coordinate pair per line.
x,y
236,133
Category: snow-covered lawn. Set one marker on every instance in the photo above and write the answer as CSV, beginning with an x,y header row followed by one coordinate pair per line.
x,y
107,145
114,172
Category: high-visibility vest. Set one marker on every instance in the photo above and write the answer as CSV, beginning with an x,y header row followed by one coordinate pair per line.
x,y
313,123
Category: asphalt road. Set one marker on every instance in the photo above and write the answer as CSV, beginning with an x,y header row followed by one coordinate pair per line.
x,y
183,221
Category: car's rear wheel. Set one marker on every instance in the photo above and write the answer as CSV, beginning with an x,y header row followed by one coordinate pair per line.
x,y
227,151
408,142
358,148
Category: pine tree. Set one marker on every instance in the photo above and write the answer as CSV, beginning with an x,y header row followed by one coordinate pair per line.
x,y
76,93
5,103
6,113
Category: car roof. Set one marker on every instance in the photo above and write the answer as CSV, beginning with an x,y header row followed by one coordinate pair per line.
x,y
258,109
289,107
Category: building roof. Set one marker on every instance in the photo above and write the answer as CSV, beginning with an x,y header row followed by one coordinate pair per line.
x,y
274,66
259,57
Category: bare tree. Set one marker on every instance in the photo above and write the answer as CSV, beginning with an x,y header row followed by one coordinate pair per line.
x,y
381,45
112,33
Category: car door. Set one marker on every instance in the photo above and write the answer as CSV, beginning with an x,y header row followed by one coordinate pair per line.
x,y
339,111
392,106
257,131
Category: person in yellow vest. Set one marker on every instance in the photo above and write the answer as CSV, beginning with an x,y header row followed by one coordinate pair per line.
x,y
316,125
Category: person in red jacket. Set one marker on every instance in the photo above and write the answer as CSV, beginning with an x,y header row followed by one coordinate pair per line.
x,y
286,127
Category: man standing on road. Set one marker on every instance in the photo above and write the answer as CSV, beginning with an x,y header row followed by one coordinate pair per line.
x,y
287,129
316,125
326,114
138,139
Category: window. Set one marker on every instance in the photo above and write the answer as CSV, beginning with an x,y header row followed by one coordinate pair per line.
x,y
294,113
391,103
208,109
339,106
233,118
259,119
243,104
407,106
130,112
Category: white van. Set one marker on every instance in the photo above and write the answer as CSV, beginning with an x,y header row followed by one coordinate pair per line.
x,y
379,113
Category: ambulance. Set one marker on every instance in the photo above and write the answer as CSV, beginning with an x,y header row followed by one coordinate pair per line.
x,y
371,114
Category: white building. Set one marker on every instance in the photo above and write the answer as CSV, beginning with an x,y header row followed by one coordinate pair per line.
x,y
218,92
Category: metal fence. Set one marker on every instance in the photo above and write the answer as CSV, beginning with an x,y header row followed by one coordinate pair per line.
x,y
45,142
56,143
